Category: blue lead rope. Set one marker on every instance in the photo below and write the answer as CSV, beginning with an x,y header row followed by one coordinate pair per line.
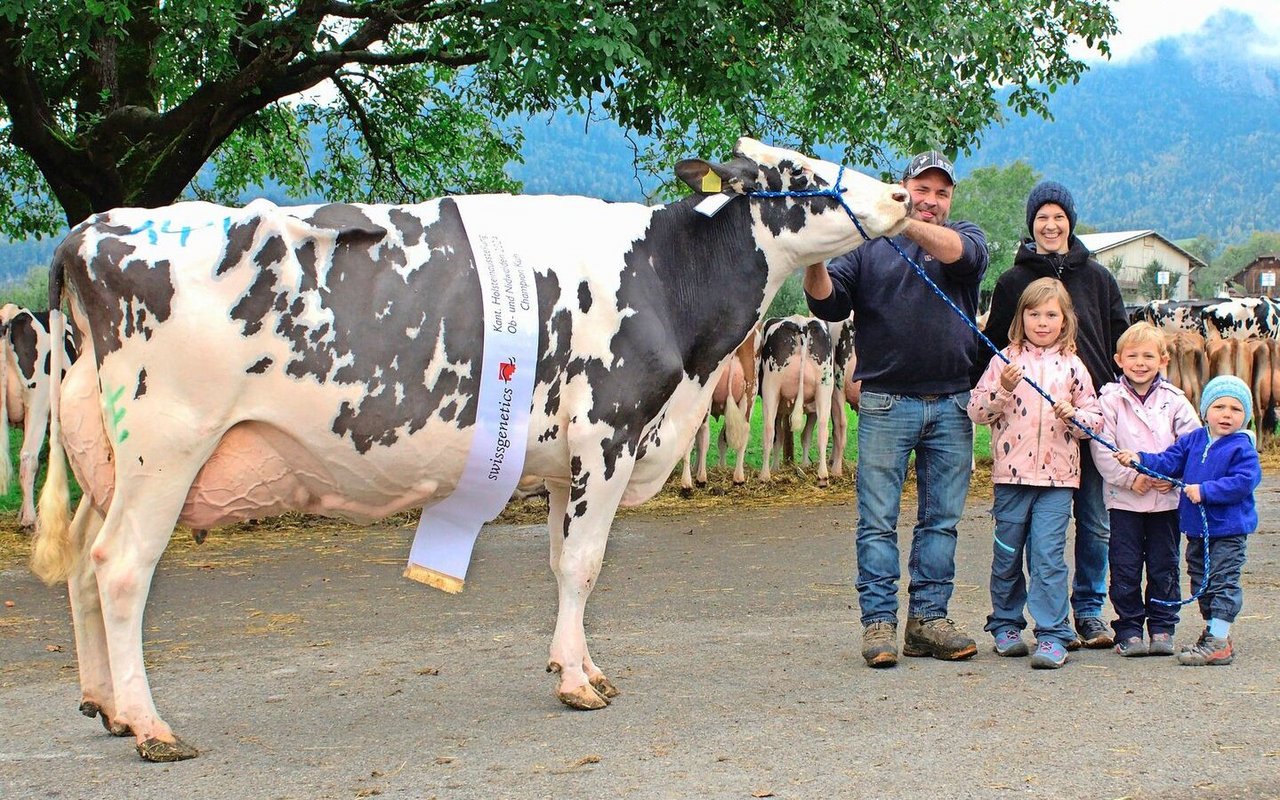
x,y
835,193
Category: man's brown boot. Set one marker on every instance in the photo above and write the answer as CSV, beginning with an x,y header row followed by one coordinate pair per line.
x,y
939,638
880,644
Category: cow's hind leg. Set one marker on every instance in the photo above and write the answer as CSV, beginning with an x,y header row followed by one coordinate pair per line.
x,y
124,555
578,537
96,696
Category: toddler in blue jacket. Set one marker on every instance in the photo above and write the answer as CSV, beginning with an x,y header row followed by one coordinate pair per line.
x,y
1219,466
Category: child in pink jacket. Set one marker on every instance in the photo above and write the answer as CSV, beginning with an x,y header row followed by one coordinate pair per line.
x,y
1145,413
1036,453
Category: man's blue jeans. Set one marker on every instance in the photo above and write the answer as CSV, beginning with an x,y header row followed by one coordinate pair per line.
x,y
1093,538
890,427
1031,526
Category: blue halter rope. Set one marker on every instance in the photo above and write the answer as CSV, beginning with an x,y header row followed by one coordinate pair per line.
x,y
837,194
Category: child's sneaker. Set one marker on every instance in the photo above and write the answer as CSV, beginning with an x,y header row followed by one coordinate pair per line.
x,y
1210,650
1161,644
1131,646
1049,655
1093,633
1200,640
1009,643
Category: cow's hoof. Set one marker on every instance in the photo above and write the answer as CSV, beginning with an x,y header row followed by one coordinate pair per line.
x,y
160,751
604,687
739,483
686,492
91,709
584,698
700,484
822,483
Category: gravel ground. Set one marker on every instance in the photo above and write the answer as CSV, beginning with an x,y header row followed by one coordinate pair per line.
x,y
303,665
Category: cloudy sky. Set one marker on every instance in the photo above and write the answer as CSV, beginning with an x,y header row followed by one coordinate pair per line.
x,y
1144,21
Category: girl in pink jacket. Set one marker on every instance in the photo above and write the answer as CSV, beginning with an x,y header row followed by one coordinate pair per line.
x,y
1145,413
1036,453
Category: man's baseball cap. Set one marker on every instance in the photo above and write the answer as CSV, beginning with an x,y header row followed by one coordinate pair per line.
x,y
930,159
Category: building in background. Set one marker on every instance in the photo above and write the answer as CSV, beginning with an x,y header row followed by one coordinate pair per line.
x,y
1260,276
1130,256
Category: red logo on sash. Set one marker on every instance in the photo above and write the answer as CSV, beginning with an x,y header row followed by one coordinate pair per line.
x,y
507,370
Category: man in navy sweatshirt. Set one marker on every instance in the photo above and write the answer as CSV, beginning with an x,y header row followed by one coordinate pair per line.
x,y
914,359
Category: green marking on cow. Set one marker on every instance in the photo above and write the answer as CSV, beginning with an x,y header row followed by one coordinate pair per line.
x,y
115,413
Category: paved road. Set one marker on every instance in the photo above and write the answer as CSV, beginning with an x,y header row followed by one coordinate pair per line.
x,y
303,666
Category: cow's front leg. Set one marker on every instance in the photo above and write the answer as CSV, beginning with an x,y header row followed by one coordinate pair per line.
x,y
578,535
96,696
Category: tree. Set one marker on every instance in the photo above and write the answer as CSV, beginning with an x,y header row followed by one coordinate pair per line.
x,y
1235,258
1148,285
1203,247
122,102
995,198
31,292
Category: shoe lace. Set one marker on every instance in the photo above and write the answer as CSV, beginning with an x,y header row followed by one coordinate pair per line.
x,y
1048,648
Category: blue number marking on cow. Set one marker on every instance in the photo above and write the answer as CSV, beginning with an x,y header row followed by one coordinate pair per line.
x,y
183,233
147,226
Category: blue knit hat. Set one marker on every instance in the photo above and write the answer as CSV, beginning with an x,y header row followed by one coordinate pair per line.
x,y
1227,386
1051,192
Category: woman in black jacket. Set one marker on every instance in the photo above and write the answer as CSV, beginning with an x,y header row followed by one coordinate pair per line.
x,y
1054,251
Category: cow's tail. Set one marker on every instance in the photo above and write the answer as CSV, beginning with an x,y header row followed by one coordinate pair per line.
x,y
51,556
797,410
6,465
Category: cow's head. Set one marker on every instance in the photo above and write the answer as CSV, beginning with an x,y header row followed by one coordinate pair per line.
x,y
881,208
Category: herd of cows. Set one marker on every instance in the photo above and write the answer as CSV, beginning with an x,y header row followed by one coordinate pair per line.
x,y
801,370
1237,336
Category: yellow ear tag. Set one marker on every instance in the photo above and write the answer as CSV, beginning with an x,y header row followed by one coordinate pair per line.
x,y
711,183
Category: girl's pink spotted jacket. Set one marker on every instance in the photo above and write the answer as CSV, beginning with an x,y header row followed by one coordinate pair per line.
x,y
1029,445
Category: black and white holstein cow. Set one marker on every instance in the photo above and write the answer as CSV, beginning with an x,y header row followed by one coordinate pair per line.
x,y
732,401
796,381
1242,318
24,400
1173,316
239,363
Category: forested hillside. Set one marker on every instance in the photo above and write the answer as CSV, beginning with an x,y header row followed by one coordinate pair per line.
x,y
1185,141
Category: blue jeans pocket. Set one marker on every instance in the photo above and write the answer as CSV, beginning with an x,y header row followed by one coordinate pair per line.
x,y
875,403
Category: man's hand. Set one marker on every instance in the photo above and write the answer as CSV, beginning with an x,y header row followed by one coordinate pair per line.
x,y
1192,492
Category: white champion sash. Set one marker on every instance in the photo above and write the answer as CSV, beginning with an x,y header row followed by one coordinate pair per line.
x,y
448,529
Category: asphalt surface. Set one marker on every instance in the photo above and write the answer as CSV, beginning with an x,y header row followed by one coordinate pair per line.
x,y
303,665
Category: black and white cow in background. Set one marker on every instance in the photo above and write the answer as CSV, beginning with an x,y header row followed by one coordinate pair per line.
x,y
1242,318
845,390
24,400
239,363
796,380
732,402
1173,315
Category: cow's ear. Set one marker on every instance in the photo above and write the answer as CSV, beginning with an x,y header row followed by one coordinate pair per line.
x,y
701,176
739,176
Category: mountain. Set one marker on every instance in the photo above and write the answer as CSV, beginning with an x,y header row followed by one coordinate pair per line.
x,y
1184,140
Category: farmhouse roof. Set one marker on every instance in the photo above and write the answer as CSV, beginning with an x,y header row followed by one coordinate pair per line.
x,y
1101,242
